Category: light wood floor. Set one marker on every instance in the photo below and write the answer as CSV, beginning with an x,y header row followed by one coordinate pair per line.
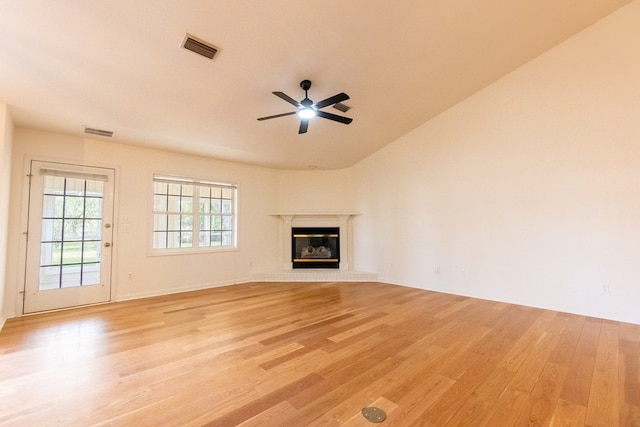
x,y
299,354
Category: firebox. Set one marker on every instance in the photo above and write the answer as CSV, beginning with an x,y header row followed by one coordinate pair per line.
x,y
315,247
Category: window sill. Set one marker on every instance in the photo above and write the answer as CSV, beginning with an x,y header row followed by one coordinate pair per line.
x,y
191,251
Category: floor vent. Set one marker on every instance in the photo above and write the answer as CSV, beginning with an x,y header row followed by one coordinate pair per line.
x,y
99,132
200,47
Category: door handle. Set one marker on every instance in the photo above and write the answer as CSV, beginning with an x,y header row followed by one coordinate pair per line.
x,y
106,245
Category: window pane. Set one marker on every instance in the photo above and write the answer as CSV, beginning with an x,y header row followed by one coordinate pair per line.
x,y
52,206
204,205
186,239
95,188
215,206
160,188
216,223
173,222
187,190
173,239
159,203
205,222
49,278
216,192
226,206
175,189
93,229
203,239
73,207
160,240
71,252
91,252
50,253
205,192
93,207
226,223
186,222
227,238
173,204
70,276
75,187
53,184
72,229
159,222
90,274
51,230
216,239
186,204
227,193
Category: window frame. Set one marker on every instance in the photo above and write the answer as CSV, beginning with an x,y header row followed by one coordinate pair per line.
x,y
195,214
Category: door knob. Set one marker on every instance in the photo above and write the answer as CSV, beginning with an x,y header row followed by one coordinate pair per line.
x,y
106,245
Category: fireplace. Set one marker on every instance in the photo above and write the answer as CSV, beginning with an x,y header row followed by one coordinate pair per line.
x,y
315,247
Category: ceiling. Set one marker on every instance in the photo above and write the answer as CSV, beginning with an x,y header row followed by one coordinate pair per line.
x,y
120,66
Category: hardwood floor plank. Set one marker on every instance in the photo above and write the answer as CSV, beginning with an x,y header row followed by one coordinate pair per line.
x,y
263,403
577,385
544,397
603,407
315,354
568,414
507,408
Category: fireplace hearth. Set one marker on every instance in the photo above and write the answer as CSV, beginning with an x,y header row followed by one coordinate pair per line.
x,y
315,247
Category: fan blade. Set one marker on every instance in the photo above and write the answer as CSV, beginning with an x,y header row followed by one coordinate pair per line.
x,y
304,124
333,100
277,115
287,98
334,117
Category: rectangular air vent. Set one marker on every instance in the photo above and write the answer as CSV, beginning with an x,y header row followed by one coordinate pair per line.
x,y
199,46
99,132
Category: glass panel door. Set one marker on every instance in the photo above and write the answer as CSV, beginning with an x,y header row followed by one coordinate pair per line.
x,y
69,237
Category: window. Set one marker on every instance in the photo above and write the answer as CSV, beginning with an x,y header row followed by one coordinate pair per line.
x,y
192,214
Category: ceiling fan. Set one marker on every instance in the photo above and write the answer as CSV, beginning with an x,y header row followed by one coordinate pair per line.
x,y
306,109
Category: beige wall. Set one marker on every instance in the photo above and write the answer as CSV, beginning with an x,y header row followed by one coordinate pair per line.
x,y
6,128
325,191
527,192
152,275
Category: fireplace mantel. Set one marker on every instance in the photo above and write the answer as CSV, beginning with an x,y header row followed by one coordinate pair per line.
x,y
315,214
315,219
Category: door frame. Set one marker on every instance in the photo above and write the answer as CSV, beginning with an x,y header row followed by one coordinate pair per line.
x,y
20,284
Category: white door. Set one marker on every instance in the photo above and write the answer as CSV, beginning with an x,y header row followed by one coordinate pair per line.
x,y
69,236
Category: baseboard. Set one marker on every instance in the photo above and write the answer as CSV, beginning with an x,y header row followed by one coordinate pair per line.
x,y
2,322
315,275
171,291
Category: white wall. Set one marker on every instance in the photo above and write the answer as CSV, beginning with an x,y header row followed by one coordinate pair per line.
x,y
527,192
6,128
315,191
153,275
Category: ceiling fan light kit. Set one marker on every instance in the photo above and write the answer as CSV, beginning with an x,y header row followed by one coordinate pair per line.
x,y
307,109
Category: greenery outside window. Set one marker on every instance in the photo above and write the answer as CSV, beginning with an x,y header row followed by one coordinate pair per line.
x,y
191,214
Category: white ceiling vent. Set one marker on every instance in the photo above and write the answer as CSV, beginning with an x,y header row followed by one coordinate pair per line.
x,y
200,47
99,132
